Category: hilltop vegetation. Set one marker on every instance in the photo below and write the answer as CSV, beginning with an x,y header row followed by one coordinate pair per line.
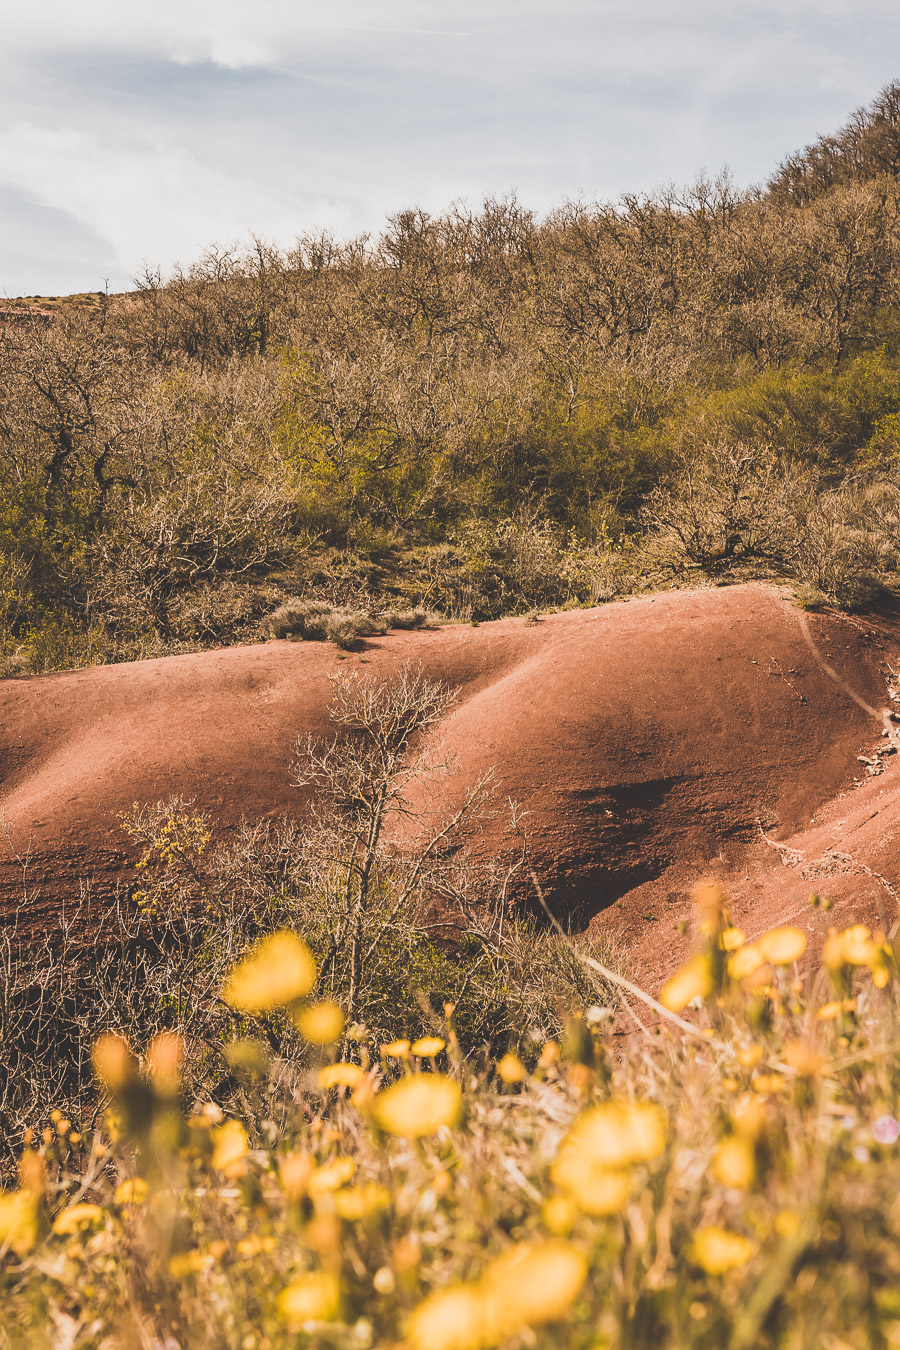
x,y
479,413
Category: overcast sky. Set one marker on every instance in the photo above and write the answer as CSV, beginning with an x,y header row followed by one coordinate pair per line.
x,y
141,133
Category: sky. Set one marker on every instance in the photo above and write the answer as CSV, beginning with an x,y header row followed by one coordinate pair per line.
x,y
135,135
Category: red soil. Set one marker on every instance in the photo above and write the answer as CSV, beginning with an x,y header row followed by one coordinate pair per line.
x,y
646,740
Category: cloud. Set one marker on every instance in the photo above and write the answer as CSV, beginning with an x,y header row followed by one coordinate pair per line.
x,y
152,130
52,247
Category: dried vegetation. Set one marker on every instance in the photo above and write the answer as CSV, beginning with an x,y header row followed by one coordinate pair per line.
x,y
478,413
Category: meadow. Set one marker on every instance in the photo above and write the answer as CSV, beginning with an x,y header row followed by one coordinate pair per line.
x,y
715,1167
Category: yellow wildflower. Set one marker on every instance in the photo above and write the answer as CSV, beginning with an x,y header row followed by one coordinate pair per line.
x,y
693,980
314,1297
358,1202
278,971
805,1061
530,1284
745,961
230,1147
768,1084
134,1191
114,1064
418,1105
396,1049
427,1046
749,1056
19,1221
510,1069
320,1023
717,1250
183,1264
452,1319
331,1175
734,1162
343,1074
782,946
76,1217
592,1164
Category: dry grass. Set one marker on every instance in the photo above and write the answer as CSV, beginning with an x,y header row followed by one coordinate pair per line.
x,y
727,1178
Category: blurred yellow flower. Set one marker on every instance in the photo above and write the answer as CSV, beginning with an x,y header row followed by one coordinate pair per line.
x,y
418,1105
559,1214
617,1133
749,1056
510,1069
314,1297
768,1084
343,1074
426,1046
358,1202
19,1221
452,1319
76,1217
165,1056
295,1170
787,1223
114,1064
230,1147
320,1023
745,961
255,1245
193,1262
731,939
734,1162
331,1175
852,947
549,1055
396,1049
693,980
384,1281
278,971
749,1116
803,1059
595,1189
717,1250
134,1191
530,1284
593,1160
527,1286
782,946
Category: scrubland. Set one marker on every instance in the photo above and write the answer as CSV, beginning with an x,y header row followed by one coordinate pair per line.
x,y
478,413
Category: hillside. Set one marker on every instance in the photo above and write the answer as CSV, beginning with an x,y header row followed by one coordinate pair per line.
x,y
646,742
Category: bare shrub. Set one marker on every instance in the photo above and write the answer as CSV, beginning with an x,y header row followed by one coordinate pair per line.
x,y
318,621
850,543
728,506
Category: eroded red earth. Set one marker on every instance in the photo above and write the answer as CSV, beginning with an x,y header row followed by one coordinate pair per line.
x,y
649,742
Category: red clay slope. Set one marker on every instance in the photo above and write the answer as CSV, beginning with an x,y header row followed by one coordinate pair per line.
x,y
645,739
